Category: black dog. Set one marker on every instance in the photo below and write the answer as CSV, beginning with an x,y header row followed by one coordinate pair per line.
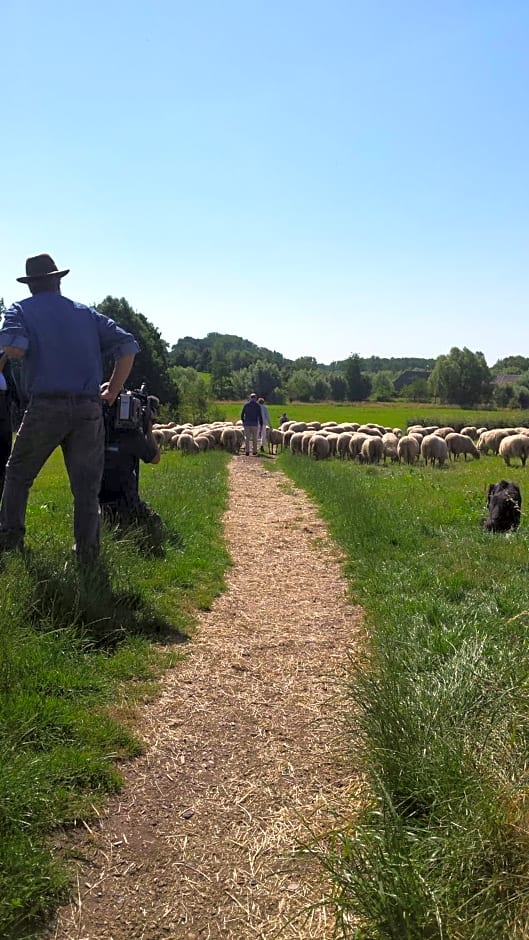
x,y
505,507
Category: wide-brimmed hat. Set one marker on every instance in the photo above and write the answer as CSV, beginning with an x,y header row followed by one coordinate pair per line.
x,y
41,266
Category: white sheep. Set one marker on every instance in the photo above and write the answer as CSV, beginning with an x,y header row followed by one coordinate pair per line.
x,y
491,440
355,444
319,447
275,439
295,442
516,445
470,432
390,442
186,444
408,449
372,450
434,448
342,444
230,439
461,444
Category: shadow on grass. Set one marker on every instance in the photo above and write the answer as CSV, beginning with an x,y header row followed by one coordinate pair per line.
x,y
83,598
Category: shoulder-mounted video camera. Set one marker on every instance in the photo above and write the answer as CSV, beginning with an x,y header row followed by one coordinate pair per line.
x,y
133,410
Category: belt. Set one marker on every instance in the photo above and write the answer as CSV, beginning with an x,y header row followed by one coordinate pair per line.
x,y
82,396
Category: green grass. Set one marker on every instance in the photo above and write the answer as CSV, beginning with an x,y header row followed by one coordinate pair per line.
x,y
77,654
443,708
392,414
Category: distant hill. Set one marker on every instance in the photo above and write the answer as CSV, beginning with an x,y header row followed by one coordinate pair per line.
x,y
239,353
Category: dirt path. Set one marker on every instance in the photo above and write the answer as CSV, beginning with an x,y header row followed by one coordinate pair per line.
x,y
245,748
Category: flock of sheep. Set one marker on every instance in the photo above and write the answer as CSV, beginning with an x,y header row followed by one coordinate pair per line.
x,y
367,443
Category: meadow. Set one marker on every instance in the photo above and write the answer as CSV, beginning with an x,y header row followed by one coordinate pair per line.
x,y
79,653
441,847
398,414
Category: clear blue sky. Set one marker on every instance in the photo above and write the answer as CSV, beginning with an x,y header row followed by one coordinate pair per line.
x,y
318,177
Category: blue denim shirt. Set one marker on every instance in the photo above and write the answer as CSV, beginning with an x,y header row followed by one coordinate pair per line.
x,y
64,344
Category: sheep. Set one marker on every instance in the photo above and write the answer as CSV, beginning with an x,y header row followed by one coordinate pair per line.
x,y
333,442
442,432
305,440
295,442
504,502
203,442
230,440
158,437
355,444
298,426
408,449
370,429
319,447
470,432
275,439
390,442
434,448
342,444
461,444
516,445
372,450
490,440
186,444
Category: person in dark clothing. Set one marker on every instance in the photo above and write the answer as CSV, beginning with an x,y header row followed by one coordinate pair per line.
x,y
9,399
252,419
119,496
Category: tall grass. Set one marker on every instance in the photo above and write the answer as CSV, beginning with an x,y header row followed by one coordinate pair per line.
x,y
442,711
76,649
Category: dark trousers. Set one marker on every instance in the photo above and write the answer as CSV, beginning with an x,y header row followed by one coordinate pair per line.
x,y
75,423
6,438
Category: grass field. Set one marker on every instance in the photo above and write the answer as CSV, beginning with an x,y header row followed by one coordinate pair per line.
x,y
442,848
391,414
76,654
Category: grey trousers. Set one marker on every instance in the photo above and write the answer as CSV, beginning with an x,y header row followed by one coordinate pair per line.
x,y
250,437
74,422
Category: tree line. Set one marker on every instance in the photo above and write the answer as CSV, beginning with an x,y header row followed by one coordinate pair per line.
x,y
193,374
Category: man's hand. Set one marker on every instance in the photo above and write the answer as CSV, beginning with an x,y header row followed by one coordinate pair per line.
x,y
14,352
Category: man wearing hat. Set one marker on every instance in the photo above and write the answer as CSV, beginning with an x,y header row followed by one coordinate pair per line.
x,y
62,344
252,419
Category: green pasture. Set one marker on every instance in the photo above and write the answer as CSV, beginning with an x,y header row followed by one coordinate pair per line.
x,y
441,849
77,652
390,414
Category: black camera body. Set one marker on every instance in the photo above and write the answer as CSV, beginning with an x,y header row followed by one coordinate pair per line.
x,y
132,411
128,411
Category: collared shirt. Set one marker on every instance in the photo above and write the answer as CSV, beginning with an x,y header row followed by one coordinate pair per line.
x,y
64,344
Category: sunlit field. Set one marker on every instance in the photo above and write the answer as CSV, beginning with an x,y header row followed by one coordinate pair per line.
x,y
77,652
441,849
391,414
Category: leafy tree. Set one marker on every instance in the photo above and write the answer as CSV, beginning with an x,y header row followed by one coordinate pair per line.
x,y
519,397
383,388
502,395
265,377
194,401
221,385
417,390
299,386
152,362
511,365
321,387
358,385
338,386
241,382
461,378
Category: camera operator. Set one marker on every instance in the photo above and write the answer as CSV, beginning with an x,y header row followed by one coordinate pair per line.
x,y
129,439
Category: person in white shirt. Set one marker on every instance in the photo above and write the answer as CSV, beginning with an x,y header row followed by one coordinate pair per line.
x,y
266,422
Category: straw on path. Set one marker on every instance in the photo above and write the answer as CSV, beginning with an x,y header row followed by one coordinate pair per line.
x,y
245,755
